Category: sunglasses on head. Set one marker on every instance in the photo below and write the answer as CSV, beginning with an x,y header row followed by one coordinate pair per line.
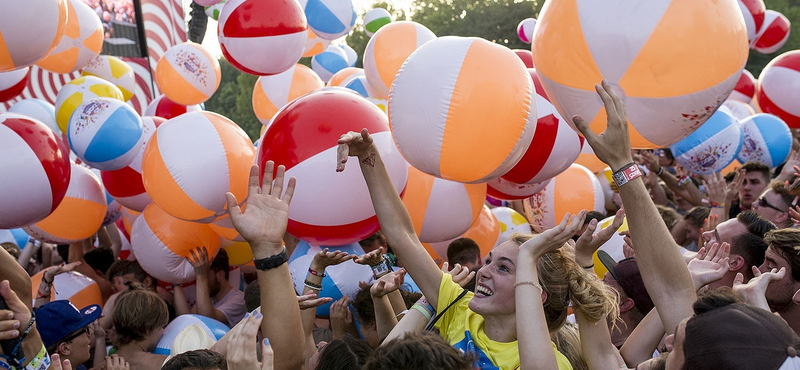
x,y
762,202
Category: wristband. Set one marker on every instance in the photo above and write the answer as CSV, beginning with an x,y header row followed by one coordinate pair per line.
x,y
660,171
311,285
315,273
380,269
588,267
683,180
40,362
401,313
716,205
424,311
626,174
271,262
5,366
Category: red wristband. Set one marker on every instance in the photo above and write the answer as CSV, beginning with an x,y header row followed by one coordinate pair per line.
x,y
626,174
320,274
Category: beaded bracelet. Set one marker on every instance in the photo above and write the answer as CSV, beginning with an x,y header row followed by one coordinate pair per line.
x,y
311,285
532,283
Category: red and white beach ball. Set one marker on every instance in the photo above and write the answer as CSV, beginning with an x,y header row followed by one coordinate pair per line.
x,y
773,34
105,133
114,70
271,93
753,13
779,87
342,212
80,213
262,37
192,161
463,109
35,172
525,30
163,107
526,56
573,190
13,82
441,210
673,62
81,42
188,74
125,185
745,88
30,30
161,244
503,189
388,48
39,110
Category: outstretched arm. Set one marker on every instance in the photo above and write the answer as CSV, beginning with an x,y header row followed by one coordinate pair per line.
x,y
392,214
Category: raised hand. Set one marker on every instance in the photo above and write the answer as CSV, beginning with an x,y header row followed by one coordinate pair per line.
x,y
716,188
57,364
327,258
52,271
241,354
264,220
755,289
354,144
732,192
554,238
16,317
612,146
310,300
710,264
198,257
372,258
341,317
589,242
388,283
115,362
461,274
650,160
794,213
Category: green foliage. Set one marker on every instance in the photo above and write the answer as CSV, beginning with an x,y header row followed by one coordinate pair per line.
x,y
233,99
791,9
358,39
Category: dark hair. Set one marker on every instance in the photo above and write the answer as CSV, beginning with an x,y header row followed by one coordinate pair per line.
x,y
63,252
409,298
463,250
221,263
365,309
593,215
669,215
201,359
758,226
754,249
786,242
754,166
345,353
378,236
779,188
99,259
137,313
421,351
697,216
252,296
124,267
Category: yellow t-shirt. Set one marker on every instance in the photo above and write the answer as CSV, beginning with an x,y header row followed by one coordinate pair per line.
x,y
463,329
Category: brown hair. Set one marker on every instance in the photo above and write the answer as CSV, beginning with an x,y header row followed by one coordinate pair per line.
x,y
669,215
779,188
137,313
568,342
697,216
786,242
201,359
421,351
564,282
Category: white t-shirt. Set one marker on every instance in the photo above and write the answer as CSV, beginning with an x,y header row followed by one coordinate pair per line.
x,y
232,306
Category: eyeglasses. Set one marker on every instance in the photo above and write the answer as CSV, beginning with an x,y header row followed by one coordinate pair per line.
x,y
762,202
86,330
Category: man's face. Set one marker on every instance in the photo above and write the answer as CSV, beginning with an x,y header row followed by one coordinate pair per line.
x,y
214,284
725,232
779,294
774,209
120,281
752,186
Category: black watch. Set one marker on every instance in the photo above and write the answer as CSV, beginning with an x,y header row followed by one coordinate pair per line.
x,y
272,262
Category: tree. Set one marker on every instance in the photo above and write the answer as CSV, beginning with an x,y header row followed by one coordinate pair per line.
x,y
233,99
358,39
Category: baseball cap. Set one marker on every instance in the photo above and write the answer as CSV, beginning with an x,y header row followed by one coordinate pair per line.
x,y
626,273
58,319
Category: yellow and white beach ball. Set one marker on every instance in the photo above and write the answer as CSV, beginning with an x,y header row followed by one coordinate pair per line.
x,y
114,70
82,40
79,91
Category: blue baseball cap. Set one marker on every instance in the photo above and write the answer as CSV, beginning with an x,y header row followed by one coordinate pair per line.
x,y
56,320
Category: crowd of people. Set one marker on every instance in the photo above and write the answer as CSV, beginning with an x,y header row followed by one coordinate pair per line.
x,y
710,281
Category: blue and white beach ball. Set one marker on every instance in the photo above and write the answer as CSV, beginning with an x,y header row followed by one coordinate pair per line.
x,y
767,139
105,133
712,147
330,19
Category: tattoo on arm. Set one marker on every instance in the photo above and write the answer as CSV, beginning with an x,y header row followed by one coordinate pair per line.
x,y
369,160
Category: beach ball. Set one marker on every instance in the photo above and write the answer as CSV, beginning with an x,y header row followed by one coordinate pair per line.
x,y
525,56
13,82
340,280
779,86
192,161
673,62
262,37
352,56
571,191
330,61
745,88
80,213
163,107
382,104
588,159
35,172
738,109
224,227
271,93
389,48
114,70
314,45
128,217
773,34
201,325
188,74
330,19
125,251
208,3
608,186
30,30
81,90
162,243
345,74
306,145
511,222
375,19
484,231
213,10
753,12
77,288
125,185
767,139
613,246
503,189
39,110
443,99
17,237
553,148
525,30
239,253
81,42
712,147
441,210
105,133
360,85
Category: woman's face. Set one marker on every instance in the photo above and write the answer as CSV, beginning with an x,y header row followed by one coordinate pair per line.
x,y
494,288
674,344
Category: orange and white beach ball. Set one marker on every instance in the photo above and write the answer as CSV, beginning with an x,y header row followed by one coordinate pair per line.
x,y
82,40
441,210
462,108
192,161
161,244
484,231
388,48
79,215
79,289
271,93
573,190
114,70
188,74
30,30
343,75
314,44
673,62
